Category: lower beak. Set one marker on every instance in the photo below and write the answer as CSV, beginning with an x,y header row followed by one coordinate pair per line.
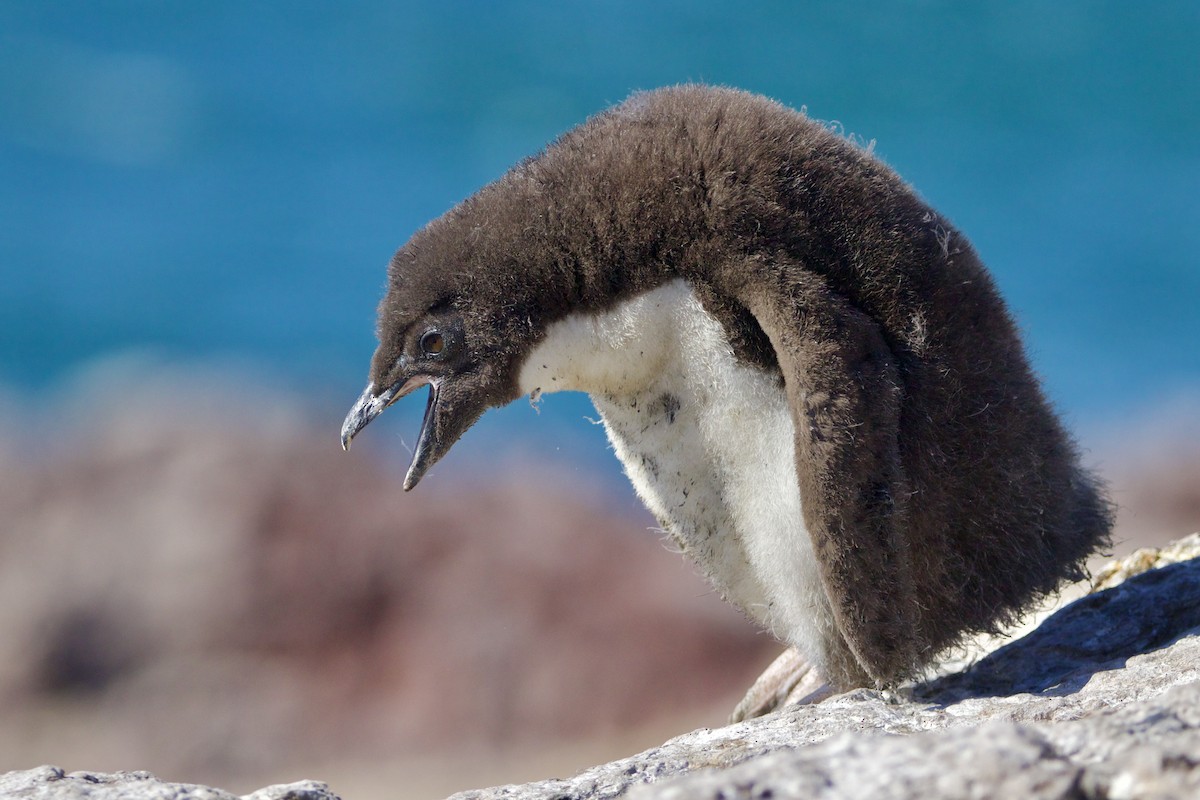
x,y
424,454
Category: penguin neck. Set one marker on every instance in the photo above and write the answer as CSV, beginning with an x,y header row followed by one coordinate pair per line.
x,y
656,368
619,353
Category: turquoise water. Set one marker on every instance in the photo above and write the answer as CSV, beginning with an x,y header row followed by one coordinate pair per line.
x,y
228,179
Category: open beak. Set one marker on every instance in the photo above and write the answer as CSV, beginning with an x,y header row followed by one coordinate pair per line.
x,y
370,405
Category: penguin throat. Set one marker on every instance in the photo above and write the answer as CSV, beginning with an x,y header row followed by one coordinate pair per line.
x,y
707,441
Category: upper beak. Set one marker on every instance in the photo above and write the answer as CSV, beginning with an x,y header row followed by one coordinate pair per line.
x,y
368,406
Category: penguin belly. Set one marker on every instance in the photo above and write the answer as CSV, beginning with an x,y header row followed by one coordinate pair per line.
x,y
708,443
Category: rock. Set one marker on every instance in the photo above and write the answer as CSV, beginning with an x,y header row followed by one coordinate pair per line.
x,y
1100,701
1144,750
51,782
187,588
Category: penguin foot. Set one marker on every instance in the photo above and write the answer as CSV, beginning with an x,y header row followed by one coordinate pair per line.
x,y
789,681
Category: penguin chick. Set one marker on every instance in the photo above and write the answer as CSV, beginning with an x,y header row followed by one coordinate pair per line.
x,y
807,373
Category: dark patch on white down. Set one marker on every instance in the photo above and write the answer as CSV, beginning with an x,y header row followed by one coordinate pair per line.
x,y
668,405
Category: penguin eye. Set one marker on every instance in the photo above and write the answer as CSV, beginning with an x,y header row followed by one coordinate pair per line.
x,y
432,342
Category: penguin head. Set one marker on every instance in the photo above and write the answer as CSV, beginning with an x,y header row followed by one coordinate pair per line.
x,y
473,292
460,308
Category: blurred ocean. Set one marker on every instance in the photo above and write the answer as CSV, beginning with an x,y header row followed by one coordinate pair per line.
x,y
225,181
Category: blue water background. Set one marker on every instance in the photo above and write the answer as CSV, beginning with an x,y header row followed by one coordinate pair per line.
x,y
223,180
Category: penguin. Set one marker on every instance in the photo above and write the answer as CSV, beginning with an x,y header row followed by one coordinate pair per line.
x,y
806,371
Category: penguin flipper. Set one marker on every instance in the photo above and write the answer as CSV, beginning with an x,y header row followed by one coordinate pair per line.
x,y
845,394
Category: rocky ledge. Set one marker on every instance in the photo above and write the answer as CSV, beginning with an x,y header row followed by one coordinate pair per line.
x,y
1102,700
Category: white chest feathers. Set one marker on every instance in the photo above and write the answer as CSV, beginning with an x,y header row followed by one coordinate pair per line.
x,y
707,442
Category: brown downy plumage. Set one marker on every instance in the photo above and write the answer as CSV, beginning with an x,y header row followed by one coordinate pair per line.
x,y
940,493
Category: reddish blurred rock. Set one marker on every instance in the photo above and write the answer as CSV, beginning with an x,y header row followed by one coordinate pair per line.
x,y
1153,470
290,601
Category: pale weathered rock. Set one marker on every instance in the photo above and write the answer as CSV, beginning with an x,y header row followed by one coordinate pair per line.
x,y
52,783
